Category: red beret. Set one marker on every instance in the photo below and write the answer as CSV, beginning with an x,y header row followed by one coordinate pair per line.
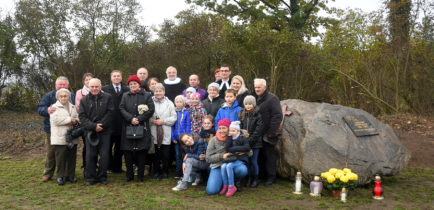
x,y
216,71
134,78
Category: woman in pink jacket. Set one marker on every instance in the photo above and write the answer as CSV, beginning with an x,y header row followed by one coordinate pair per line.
x,y
78,96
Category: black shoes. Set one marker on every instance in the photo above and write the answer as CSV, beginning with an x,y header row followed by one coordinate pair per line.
x,y
89,183
60,181
104,182
269,181
128,179
156,176
255,182
238,186
72,180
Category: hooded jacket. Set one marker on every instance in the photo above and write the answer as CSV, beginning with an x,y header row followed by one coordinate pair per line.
x,y
229,112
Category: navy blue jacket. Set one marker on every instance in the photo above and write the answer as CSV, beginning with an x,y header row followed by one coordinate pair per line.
x,y
240,144
198,148
46,101
182,124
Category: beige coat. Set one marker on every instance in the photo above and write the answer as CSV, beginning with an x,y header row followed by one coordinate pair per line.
x,y
165,110
60,122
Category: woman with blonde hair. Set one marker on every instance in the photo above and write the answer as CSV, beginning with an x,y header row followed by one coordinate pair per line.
x,y
239,86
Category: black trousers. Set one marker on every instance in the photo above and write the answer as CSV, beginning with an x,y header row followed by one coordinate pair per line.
x,y
83,153
115,163
161,156
138,157
92,152
267,157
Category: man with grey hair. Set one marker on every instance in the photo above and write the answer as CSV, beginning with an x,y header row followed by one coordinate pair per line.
x,y
45,108
271,112
95,115
173,84
143,75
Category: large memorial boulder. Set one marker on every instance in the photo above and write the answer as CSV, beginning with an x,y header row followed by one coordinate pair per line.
x,y
317,137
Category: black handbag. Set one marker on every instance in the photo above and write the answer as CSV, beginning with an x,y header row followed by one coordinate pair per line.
x,y
72,133
134,131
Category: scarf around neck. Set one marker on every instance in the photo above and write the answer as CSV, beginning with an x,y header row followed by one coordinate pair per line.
x,y
220,138
85,90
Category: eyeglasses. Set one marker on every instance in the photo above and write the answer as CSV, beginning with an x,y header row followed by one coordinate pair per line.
x,y
225,70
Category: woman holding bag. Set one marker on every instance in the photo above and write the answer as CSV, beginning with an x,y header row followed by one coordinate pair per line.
x,y
161,129
136,108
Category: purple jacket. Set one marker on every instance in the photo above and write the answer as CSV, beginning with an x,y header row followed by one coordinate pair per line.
x,y
201,91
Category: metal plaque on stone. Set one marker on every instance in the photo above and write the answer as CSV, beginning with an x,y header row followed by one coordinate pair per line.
x,y
360,125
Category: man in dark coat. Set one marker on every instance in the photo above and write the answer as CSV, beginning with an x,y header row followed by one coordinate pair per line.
x,y
269,107
143,75
173,84
45,109
225,81
116,89
95,115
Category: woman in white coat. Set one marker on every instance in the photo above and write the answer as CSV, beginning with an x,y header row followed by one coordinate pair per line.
x,y
61,120
161,129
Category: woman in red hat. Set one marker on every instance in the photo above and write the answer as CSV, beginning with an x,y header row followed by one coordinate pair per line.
x,y
136,108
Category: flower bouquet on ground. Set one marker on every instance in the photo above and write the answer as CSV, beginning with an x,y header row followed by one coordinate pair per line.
x,y
335,179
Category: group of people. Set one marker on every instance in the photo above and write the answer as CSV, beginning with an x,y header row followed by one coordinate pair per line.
x,y
221,134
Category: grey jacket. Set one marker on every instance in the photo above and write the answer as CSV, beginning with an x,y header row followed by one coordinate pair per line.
x,y
214,152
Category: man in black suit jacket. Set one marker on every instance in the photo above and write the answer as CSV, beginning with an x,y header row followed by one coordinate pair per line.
x,y
116,89
225,81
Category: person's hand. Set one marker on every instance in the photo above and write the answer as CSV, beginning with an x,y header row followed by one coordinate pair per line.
x,y
270,136
134,121
202,157
99,127
240,153
74,120
226,155
159,122
175,142
51,109
183,167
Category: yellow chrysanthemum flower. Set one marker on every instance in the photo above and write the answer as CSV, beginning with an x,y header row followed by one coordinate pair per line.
x,y
344,179
347,170
331,179
333,171
339,175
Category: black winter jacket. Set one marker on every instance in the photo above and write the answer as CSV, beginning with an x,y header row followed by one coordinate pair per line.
x,y
129,110
271,112
240,98
241,144
116,98
94,110
212,107
252,122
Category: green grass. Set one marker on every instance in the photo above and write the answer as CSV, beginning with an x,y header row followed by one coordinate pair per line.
x,y
21,188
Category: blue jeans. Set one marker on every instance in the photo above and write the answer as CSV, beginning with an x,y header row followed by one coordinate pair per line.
x,y
178,157
228,171
215,180
253,163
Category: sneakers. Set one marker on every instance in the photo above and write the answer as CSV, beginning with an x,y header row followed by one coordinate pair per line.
x,y
180,186
197,181
224,190
231,191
